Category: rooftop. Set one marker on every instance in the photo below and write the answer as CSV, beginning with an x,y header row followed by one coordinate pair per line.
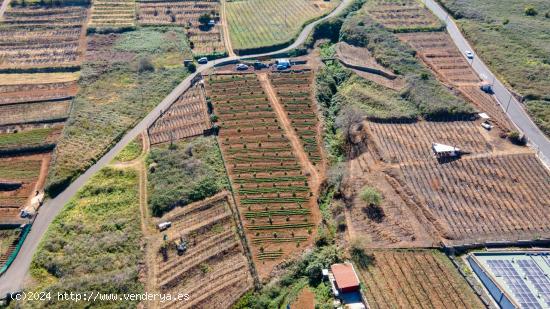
x,y
344,275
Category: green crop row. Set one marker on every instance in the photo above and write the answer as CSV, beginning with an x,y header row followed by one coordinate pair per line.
x,y
280,226
266,169
278,239
281,200
292,189
270,150
271,179
279,212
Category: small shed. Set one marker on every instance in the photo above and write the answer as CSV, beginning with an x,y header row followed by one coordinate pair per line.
x,y
345,277
445,151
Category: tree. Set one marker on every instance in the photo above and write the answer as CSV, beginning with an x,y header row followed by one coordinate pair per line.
x,y
145,65
530,10
204,19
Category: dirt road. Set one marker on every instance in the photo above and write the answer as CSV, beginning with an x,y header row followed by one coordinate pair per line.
x,y
225,27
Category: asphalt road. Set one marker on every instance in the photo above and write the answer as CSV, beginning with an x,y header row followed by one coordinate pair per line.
x,y
13,279
512,107
3,7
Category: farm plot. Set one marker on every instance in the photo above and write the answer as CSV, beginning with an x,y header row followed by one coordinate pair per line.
x,y
412,142
271,188
205,40
255,24
20,177
361,61
29,138
294,92
50,111
20,88
214,270
42,37
8,241
438,51
486,198
489,105
415,279
403,15
112,14
186,117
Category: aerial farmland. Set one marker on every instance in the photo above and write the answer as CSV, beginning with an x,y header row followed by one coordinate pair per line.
x,y
272,154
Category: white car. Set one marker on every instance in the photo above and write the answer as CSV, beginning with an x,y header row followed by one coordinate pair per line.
x,y
469,54
486,125
203,60
241,67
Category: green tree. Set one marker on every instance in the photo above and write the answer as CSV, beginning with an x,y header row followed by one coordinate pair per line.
x,y
204,19
530,10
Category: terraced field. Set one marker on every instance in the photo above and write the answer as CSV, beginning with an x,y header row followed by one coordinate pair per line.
x,y
51,111
42,37
294,92
438,51
484,198
272,191
20,177
414,279
186,117
403,15
214,270
257,24
205,40
412,142
112,14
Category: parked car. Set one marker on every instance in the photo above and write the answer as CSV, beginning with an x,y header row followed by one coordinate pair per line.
x,y
164,225
486,125
469,54
203,60
281,67
241,67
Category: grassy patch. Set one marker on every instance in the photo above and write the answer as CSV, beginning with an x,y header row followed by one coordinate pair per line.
x,y
130,152
94,243
25,138
183,173
114,95
263,23
540,112
20,169
431,98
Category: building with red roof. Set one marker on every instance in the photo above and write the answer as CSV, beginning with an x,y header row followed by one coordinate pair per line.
x,y
345,277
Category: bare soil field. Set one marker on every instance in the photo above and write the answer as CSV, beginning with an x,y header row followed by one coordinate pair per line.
x,y
485,198
214,270
42,37
272,189
438,51
20,93
187,117
440,54
411,142
360,61
205,40
415,279
496,191
20,178
402,15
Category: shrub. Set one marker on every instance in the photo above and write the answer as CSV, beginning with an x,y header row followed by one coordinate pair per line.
x,y
516,138
145,65
530,10
370,196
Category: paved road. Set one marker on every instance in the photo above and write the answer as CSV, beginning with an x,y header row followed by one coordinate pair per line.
x,y
3,7
13,280
508,102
